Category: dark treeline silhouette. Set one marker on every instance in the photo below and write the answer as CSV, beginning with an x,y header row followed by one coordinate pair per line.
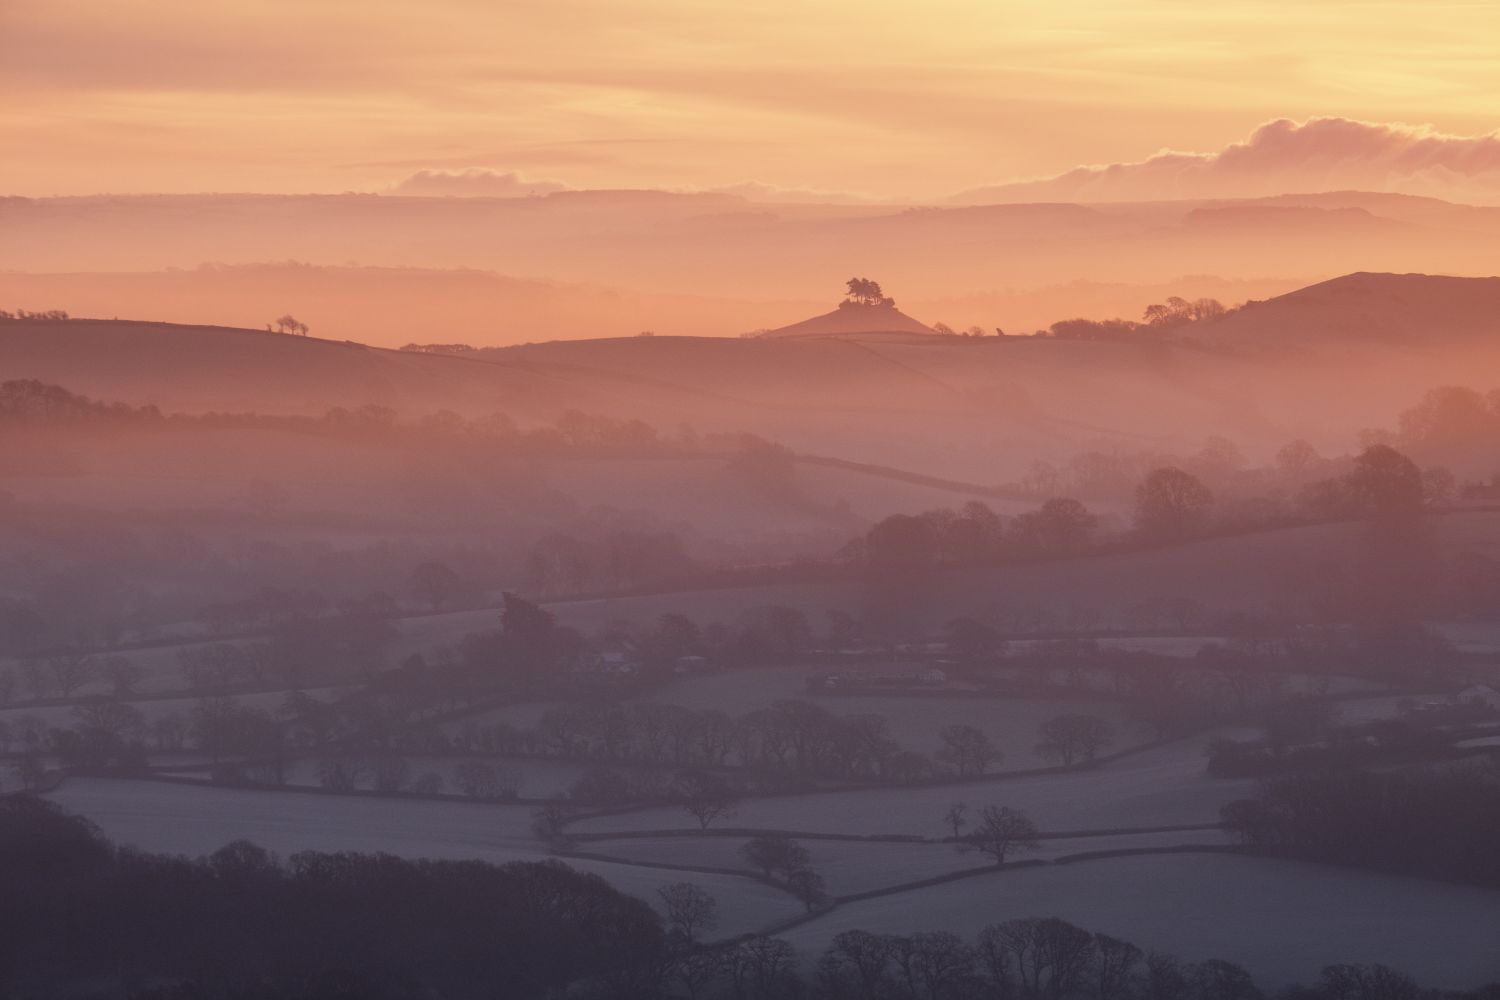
x,y
438,348
50,315
1158,320
1300,734
1171,504
1436,823
80,914
1449,433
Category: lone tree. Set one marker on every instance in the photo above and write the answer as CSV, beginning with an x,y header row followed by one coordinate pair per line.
x,y
957,817
864,292
1170,503
706,797
775,854
1001,830
807,885
1069,739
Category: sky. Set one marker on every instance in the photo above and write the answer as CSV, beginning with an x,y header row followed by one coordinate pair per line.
x,y
876,98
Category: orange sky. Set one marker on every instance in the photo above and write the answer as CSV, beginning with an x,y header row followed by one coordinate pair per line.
x,y
886,98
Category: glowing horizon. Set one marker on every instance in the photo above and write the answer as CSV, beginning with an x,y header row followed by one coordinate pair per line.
x,y
835,97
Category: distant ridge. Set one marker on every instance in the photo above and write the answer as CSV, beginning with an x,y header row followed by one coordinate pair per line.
x,y
1367,308
853,318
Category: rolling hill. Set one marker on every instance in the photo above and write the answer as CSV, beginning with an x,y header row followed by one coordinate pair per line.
x,y
1363,309
975,409
853,318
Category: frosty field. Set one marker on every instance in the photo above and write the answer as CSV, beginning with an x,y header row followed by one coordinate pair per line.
x,y
195,820
854,866
1283,920
1162,786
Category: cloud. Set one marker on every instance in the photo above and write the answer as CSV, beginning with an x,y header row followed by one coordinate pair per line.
x,y
474,183
1284,156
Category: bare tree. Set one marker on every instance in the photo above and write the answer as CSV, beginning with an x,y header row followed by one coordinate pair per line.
x,y
1050,957
30,770
1069,739
550,821
809,888
697,969
933,964
122,673
1113,969
1001,830
706,797
69,671
967,749
957,817
290,325
761,967
689,910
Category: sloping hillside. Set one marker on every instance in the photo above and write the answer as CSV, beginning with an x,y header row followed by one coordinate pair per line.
x,y
975,409
853,318
1368,309
201,368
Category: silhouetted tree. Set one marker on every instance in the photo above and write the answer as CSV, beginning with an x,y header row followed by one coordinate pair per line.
x,y
1170,503
289,324
1384,481
690,911
706,797
1074,737
1001,830
966,749
775,854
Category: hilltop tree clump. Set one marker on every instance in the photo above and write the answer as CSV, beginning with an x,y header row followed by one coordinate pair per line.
x,y
49,315
864,292
289,324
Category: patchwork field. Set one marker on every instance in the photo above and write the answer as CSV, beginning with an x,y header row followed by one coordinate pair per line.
x,y
193,820
851,866
914,719
1282,920
1163,786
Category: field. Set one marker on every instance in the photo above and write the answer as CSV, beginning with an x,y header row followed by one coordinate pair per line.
x,y
853,866
193,820
1282,920
914,719
1163,786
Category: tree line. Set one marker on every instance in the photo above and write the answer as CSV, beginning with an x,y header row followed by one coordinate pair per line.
x,y
1436,823
80,914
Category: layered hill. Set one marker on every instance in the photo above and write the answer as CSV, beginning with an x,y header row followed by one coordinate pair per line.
x,y
1363,309
654,246
1322,363
853,318
197,369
